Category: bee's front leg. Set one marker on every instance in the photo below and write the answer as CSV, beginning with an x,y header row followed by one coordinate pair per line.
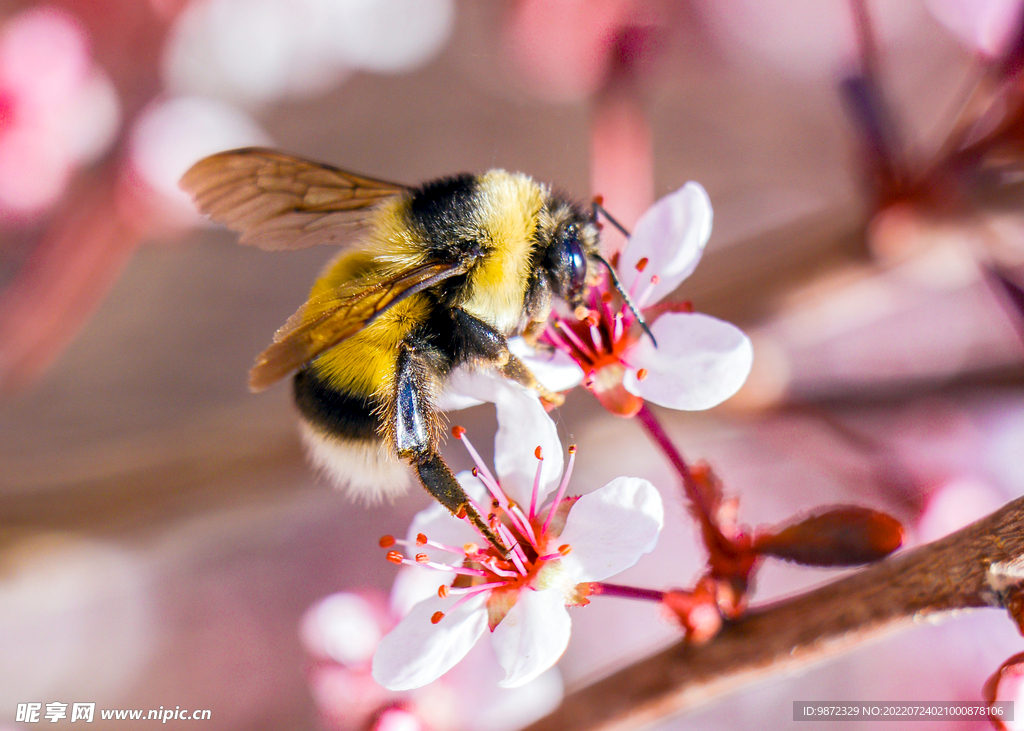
x,y
481,342
414,425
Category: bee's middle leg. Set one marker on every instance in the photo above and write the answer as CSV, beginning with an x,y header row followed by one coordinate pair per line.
x,y
483,342
414,426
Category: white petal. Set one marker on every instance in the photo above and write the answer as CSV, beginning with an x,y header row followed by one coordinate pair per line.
x,y
671,235
555,369
466,387
489,707
452,401
523,425
700,361
532,636
417,652
413,584
611,528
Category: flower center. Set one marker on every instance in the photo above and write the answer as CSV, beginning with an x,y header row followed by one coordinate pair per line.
x,y
602,332
483,568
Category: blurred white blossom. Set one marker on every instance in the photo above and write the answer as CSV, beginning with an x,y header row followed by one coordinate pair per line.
x,y
58,109
253,51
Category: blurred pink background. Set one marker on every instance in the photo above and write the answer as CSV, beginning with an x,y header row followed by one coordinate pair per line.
x,y
161,535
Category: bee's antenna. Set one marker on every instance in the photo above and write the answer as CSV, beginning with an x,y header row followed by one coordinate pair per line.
x,y
625,296
596,208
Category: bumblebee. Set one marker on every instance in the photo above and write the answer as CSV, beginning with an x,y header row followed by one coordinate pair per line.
x,y
432,278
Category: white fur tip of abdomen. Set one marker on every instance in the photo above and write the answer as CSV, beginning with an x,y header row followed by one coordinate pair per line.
x,y
366,471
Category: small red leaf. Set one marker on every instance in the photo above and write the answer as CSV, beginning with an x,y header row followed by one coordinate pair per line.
x,y
845,535
1012,668
696,611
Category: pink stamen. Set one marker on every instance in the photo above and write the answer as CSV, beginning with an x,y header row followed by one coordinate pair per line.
x,y
595,335
517,556
475,589
445,567
558,341
606,306
561,489
550,557
567,331
485,474
492,566
432,544
634,285
523,524
617,332
642,299
518,519
536,489
469,595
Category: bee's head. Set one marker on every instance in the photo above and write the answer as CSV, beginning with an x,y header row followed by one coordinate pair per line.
x,y
571,251
571,254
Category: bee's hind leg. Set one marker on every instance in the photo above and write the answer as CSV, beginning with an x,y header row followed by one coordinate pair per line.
x,y
415,426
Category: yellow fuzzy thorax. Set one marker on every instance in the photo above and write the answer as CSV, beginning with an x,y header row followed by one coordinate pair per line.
x,y
508,208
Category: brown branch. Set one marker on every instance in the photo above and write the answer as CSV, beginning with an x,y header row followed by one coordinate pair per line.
x,y
952,573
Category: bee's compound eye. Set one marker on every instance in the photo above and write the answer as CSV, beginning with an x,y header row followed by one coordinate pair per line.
x,y
577,263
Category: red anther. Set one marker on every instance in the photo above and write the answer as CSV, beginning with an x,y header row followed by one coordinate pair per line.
x,y
442,591
458,431
476,472
538,453
421,539
655,279
512,504
387,541
615,260
641,374
593,319
572,449
642,264
495,504
394,557
687,306
492,518
470,548
599,200
606,297
436,617
422,558
565,549
462,512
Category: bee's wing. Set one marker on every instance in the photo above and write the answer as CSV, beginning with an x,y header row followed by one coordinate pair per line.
x,y
277,201
328,319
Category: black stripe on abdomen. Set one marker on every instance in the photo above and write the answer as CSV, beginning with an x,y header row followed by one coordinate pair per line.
x,y
343,414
